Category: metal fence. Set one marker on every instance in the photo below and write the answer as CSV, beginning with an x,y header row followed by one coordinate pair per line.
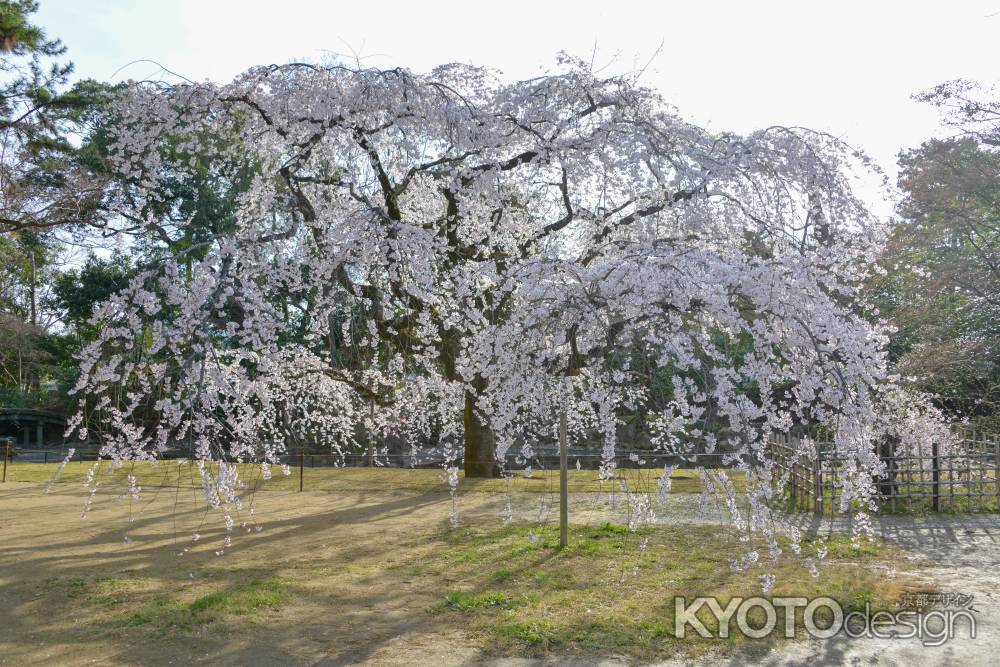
x,y
312,470
964,477
588,459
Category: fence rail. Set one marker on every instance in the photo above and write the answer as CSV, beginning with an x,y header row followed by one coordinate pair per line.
x,y
964,477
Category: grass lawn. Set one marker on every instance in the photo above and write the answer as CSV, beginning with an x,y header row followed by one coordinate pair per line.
x,y
605,595
369,576
421,480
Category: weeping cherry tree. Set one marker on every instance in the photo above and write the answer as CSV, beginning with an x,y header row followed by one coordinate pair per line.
x,y
457,258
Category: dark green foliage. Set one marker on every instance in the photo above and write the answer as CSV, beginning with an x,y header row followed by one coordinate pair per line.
x,y
942,286
77,293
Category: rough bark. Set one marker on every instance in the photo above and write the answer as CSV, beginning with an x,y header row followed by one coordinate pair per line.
x,y
479,459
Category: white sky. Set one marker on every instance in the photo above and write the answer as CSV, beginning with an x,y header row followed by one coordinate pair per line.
x,y
844,67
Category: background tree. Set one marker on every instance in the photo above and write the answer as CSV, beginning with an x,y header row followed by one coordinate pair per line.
x,y
43,181
941,288
28,350
52,181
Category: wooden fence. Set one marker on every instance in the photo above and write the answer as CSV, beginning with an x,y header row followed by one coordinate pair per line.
x,y
961,478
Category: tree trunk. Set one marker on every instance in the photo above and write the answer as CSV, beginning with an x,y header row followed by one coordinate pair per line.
x,y
32,292
479,459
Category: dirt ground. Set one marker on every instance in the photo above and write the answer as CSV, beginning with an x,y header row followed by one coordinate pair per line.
x,y
55,565
45,544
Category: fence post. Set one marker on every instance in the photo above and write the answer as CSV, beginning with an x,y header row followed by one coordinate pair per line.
x,y
935,478
6,453
789,466
996,464
888,452
302,467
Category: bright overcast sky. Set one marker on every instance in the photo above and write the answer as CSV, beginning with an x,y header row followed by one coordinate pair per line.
x,y
845,67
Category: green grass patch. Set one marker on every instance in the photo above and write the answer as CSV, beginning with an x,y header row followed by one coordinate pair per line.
x,y
162,613
466,601
606,593
104,590
257,594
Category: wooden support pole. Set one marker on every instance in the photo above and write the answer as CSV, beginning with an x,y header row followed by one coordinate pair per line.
x,y
302,467
563,482
6,455
793,467
371,435
817,484
935,478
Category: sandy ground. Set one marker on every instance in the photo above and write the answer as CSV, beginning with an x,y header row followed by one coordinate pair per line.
x,y
964,553
953,553
392,628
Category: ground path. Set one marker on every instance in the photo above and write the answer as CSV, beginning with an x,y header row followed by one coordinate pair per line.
x,y
43,540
